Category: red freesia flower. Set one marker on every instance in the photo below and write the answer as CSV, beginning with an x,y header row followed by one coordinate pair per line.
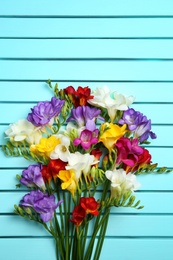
x,y
78,215
145,157
70,91
52,170
90,205
80,96
46,173
97,153
86,206
83,95
55,166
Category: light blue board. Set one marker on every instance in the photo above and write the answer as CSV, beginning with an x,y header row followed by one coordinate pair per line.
x,y
84,27
89,49
126,45
89,8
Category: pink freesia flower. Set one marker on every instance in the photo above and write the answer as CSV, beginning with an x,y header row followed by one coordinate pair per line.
x,y
131,155
128,151
87,138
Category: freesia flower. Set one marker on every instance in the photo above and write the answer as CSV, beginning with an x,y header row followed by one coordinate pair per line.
x,y
110,133
78,215
80,96
112,101
32,177
42,203
131,155
86,139
120,102
97,154
46,173
45,112
46,146
85,116
62,149
90,205
55,166
121,182
85,206
24,130
69,181
52,170
138,124
128,151
80,163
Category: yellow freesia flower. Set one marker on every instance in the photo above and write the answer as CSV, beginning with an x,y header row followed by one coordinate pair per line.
x,y
45,146
69,180
110,134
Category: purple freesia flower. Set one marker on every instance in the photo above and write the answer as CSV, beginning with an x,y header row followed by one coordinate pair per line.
x,y
43,112
137,123
30,198
42,203
85,116
87,138
32,176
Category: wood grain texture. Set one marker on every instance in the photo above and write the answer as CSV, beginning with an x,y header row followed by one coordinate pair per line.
x,y
97,7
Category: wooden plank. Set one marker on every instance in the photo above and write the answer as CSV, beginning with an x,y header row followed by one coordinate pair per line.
x,y
97,7
84,27
149,248
154,182
119,225
86,48
86,70
152,111
149,200
143,92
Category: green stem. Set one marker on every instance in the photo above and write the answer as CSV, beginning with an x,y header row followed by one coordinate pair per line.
x,y
96,229
66,220
74,250
78,248
61,215
91,244
101,238
84,238
59,238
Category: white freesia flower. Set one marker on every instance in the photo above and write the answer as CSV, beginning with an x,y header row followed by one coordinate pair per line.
x,y
121,182
112,101
102,97
120,102
61,151
24,130
80,163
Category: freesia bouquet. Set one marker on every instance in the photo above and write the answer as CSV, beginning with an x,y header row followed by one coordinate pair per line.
x,y
87,147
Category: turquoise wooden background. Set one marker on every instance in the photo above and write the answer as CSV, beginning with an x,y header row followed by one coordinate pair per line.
x,y
127,45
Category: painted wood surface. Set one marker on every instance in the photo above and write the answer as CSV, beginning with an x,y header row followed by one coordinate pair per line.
x,y
127,45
